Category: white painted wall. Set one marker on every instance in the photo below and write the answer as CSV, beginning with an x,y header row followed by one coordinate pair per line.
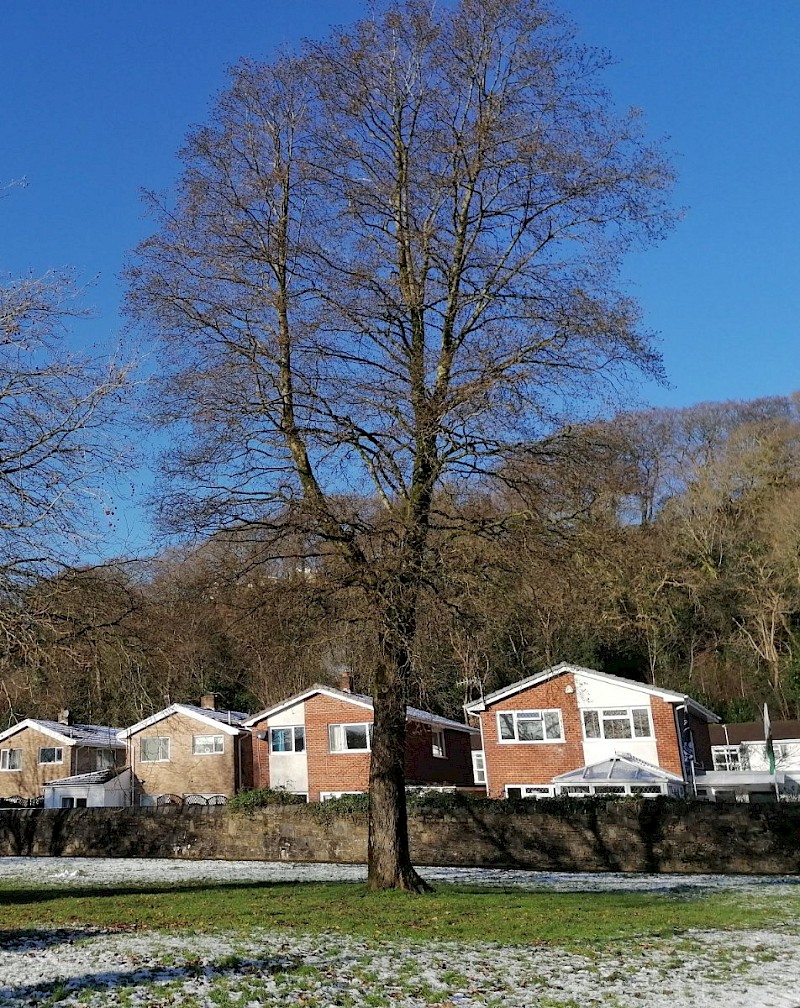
x,y
594,693
289,770
114,794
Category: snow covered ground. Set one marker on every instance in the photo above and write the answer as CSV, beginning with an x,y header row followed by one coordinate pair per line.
x,y
127,969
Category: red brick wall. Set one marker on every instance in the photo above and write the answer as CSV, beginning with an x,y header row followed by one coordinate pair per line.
x,y
667,741
329,771
422,767
532,762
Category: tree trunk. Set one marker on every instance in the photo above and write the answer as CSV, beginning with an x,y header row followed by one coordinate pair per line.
x,y
389,855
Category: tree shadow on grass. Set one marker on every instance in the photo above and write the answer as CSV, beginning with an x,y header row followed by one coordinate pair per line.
x,y
52,992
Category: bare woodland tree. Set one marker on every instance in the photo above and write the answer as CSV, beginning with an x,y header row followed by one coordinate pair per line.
x,y
57,409
392,260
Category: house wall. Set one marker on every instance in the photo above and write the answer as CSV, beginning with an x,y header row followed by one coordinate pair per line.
x,y
702,742
319,770
184,773
28,782
514,763
329,771
533,762
422,767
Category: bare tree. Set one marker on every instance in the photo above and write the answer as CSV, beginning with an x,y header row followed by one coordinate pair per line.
x,y
59,427
392,260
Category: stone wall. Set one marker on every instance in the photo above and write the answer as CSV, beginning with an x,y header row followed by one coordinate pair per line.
x,y
630,836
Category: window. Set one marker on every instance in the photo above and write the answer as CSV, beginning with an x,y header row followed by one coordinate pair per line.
x,y
51,754
207,745
528,791
330,795
10,759
350,737
530,726
154,750
730,757
478,766
437,743
105,759
617,723
74,802
292,739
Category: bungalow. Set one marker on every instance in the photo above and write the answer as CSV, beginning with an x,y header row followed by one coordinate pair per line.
x,y
35,752
317,744
578,731
741,767
185,752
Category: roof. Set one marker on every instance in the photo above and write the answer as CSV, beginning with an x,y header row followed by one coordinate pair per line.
x,y
358,700
621,767
98,777
752,731
229,721
90,736
565,667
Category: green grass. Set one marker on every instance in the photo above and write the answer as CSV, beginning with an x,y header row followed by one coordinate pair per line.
x,y
451,913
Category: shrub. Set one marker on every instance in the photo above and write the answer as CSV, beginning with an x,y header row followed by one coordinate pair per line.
x,y
249,801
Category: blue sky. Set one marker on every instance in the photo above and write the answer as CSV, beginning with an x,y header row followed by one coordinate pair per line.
x,y
96,97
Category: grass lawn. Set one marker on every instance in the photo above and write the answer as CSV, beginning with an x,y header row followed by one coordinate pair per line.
x,y
457,913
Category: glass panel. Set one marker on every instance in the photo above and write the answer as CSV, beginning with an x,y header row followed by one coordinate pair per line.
x,y
154,749
355,736
50,754
10,759
552,725
204,745
528,729
513,792
281,739
104,759
653,789
641,722
615,727
506,723
299,739
591,724
335,738
609,789
577,789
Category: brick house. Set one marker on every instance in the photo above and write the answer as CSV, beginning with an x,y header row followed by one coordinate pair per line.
x,y
318,743
185,751
578,731
35,752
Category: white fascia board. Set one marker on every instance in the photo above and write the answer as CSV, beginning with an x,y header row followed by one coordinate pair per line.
x,y
550,673
298,698
178,709
423,717
36,726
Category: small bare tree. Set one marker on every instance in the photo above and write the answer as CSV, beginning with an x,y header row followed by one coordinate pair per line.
x,y
392,261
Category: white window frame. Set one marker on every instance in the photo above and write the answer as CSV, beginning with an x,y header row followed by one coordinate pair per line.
x,y
337,739
155,738
531,790
330,795
534,714
479,766
297,732
438,743
6,760
605,714
217,743
730,757
58,755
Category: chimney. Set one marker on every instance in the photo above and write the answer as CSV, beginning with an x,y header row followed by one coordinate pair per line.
x,y
64,717
344,679
209,701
